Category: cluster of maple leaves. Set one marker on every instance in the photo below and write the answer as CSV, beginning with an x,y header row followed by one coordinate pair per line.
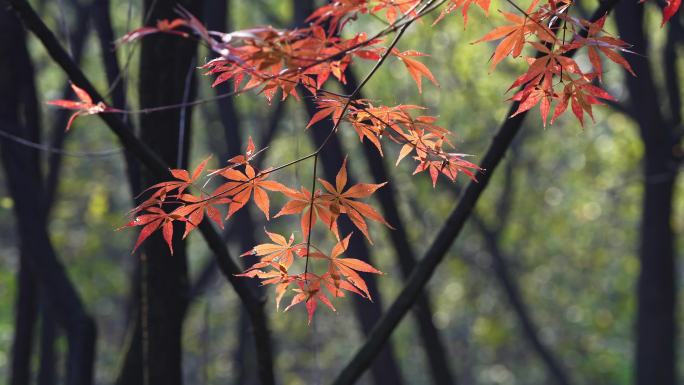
x,y
271,60
241,182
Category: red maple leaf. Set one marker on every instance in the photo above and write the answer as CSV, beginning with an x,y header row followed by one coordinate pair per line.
x,y
415,68
348,269
84,106
342,201
301,202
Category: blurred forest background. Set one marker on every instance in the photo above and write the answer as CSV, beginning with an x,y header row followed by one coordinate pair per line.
x,y
574,240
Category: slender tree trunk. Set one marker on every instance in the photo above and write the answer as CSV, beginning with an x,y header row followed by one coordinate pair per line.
x,y
103,26
216,15
60,117
24,321
24,181
27,293
48,335
656,330
166,77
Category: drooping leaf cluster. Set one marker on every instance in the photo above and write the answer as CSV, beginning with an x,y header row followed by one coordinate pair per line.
x,y
552,77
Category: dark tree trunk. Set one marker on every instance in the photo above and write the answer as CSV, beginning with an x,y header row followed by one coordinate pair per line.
x,y
166,77
656,292
216,14
48,335
18,116
24,321
60,117
103,25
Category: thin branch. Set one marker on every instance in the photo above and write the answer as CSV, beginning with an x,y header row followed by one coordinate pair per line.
x,y
672,83
58,150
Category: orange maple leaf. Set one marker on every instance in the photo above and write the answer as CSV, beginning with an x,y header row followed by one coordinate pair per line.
x,y
279,254
415,68
301,202
242,186
346,268
342,202
83,107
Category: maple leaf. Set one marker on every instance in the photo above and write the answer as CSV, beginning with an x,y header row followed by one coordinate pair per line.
x,y
152,220
329,106
538,79
348,269
242,186
283,59
194,209
185,177
598,41
450,166
279,254
336,13
277,277
393,8
190,209
416,69
671,7
163,189
310,293
342,202
535,92
513,37
83,107
162,26
301,202
244,159
582,94
455,4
